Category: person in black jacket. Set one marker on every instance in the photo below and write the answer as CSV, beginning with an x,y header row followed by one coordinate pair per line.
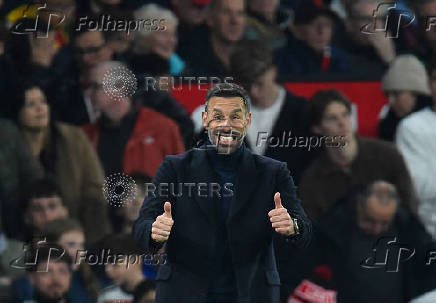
x,y
220,242
377,250
278,115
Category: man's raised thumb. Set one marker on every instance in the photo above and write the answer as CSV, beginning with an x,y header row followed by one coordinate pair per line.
x,y
167,208
277,200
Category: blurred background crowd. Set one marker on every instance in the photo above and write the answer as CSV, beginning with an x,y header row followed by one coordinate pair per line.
x,y
62,135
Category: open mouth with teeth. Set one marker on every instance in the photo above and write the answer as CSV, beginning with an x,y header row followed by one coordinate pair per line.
x,y
227,138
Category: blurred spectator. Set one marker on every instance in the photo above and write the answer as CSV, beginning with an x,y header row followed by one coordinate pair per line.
x,y
362,233
428,297
3,35
72,64
128,137
415,139
161,40
65,155
51,274
70,236
42,203
9,250
407,86
311,51
266,21
371,53
28,56
425,45
275,111
130,210
125,272
161,101
99,7
145,292
347,159
17,170
191,13
207,51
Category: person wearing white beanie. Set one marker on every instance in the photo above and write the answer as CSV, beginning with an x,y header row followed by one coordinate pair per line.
x,y
406,85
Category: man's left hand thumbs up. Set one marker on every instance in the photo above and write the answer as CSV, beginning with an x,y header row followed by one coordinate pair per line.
x,y
280,219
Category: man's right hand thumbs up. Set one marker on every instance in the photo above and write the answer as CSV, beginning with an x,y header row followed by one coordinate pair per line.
x,y
161,228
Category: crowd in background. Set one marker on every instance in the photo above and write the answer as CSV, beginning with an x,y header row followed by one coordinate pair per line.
x,y
62,134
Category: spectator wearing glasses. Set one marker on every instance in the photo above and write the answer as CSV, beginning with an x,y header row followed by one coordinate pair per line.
x,y
65,154
347,159
128,137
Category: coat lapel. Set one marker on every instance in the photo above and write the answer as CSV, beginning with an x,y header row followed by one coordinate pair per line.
x,y
246,182
203,172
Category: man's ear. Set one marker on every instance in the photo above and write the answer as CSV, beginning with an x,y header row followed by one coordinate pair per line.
x,y
248,119
204,119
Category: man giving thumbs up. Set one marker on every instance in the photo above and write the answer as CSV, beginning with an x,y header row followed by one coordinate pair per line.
x,y
281,220
161,228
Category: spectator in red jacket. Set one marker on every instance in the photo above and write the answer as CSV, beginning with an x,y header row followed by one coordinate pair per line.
x,y
129,137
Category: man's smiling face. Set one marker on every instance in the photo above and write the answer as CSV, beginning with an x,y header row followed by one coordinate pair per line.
x,y
226,122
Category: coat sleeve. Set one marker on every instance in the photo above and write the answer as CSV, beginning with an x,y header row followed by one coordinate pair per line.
x,y
93,208
288,194
152,207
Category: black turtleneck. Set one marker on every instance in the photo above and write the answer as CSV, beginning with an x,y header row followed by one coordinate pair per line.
x,y
223,279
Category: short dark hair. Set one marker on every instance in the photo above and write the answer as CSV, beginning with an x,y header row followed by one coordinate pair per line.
x,y
249,60
228,90
43,188
320,101
46,252
142,289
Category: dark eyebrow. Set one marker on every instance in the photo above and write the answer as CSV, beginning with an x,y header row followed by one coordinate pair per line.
x,y
238,110
217,110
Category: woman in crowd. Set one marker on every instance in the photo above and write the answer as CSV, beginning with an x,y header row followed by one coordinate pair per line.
x,y
65,155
